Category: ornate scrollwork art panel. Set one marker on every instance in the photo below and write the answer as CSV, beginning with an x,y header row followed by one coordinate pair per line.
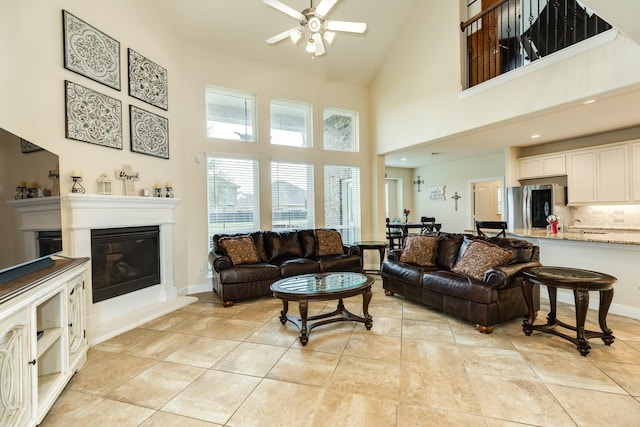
x,y
93,117
149,133
90,52
148,81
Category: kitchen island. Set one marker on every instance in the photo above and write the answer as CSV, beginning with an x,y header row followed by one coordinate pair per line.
x,y
611,251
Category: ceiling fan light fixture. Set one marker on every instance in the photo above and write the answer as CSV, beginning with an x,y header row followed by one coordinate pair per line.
x,y
311,47
295,35
329,36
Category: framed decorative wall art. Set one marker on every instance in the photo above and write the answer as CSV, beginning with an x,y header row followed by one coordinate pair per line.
x,y
92,117
149,133
148,81
436,193
90,52
29,147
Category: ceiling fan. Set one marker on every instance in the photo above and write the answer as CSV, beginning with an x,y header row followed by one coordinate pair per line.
x,y
312,19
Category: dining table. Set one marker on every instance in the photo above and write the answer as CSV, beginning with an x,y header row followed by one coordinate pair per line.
x,y
405,227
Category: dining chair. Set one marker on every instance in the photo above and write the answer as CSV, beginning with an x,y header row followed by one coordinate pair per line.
x,y
394,236
428,224
499,228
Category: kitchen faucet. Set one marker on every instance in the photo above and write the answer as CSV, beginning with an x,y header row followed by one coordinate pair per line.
x,y
564,227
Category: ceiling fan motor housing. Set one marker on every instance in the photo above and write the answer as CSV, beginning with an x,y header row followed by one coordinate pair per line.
x,y
314,22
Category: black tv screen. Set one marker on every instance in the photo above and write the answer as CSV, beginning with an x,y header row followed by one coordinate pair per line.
x,y
30,211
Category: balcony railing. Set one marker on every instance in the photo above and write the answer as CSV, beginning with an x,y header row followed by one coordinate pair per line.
x,y
514,33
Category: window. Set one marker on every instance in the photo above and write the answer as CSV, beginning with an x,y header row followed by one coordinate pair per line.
x,y
292,195
230,114
233,196
340,130
342,201
290,123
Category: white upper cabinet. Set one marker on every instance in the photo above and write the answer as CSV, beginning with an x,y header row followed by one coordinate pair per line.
x,y
541,166
635,171
598,175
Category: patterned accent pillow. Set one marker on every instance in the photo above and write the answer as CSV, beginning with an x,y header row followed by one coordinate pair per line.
x,y
479,257
328,242
420,250
241,250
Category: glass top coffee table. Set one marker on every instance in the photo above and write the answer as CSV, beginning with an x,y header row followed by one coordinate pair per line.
x,y
323,287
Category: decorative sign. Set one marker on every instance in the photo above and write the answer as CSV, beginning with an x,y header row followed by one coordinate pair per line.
x,y
128,176
436,194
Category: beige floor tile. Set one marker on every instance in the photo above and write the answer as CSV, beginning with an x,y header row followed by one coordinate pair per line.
x,y
164,419
106,371
123,341
520,401
414,311
368,377
386,326
79,409
157,385
198,325
250,359
434,354
572,370
381,347
202,352
625,375
428,385
468,335
619,351
330,338
594,408
167,321
305,367
233,329
160,346
501,362
420,329
345,409
426,416
213,397
275,333
264,407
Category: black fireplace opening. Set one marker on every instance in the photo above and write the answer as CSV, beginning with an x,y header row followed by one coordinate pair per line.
x,y
124,260
49,242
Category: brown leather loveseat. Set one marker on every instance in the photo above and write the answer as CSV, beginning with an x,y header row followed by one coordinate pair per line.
x,y
245,265
479,282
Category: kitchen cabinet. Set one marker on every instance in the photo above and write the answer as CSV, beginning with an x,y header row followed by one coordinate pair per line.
x,y
42,339
598,175
635,171
542,166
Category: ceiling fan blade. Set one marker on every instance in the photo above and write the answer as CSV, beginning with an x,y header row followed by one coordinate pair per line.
x,y
317,41
324,7
279,37
276,4
350,27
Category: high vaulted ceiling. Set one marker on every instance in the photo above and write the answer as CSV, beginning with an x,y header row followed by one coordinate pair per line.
x,y
240,28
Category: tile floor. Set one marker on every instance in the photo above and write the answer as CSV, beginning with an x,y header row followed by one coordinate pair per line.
x,y
205,365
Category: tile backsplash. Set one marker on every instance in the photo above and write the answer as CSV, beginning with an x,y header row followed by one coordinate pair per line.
x,y
608,216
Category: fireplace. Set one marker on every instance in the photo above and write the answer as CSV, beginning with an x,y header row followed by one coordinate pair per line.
x,y
124,260
49,242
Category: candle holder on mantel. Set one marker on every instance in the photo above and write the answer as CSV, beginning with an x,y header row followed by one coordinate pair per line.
x,y
157,192
169,191
77,187
22,193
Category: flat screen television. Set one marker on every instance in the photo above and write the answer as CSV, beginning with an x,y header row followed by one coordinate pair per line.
x,y
30,210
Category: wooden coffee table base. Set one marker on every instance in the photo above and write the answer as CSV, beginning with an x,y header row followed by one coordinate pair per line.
x,y
305,324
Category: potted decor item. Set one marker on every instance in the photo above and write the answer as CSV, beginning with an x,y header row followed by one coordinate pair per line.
x,y
553,224
406,215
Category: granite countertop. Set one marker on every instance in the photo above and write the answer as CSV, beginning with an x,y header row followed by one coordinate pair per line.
x,y
585,234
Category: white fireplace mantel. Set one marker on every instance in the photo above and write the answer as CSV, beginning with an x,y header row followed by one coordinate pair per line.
x,y
84,212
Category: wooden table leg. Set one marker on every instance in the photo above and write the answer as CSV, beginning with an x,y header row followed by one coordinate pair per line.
x,y
285,310
553,300
381,250
527,290
581,296
605,302
304,310
366,299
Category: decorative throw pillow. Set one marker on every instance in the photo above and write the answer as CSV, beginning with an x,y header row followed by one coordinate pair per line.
x,y
328,242
479,257
241,250
420,250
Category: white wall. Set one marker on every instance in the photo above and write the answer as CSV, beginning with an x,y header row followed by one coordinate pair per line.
x,y
32,102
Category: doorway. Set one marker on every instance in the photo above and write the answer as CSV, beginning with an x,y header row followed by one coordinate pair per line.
x,y
487,200
393,198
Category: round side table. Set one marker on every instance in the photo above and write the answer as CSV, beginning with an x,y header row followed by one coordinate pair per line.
x,y
580,282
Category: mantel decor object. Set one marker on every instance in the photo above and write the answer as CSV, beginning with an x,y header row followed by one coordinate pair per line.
x,y
104,184
128,176
169,190
54,176
76,177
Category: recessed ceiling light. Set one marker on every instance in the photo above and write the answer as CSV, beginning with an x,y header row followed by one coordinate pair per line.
x,y
535,136
589,101
436,153
404,159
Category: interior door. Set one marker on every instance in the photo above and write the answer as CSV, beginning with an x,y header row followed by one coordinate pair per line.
x,y
487,204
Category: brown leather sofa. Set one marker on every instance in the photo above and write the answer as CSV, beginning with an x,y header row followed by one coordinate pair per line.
x,y
496,298
280,254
